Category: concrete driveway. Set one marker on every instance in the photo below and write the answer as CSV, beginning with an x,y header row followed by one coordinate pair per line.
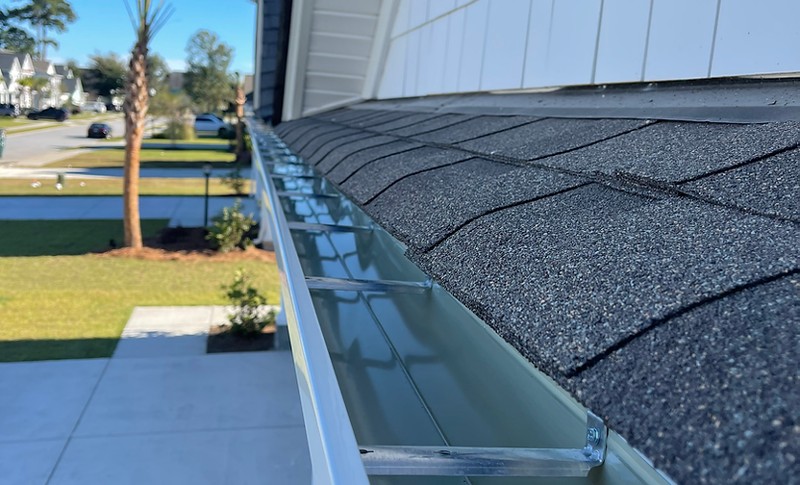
x,y
160,411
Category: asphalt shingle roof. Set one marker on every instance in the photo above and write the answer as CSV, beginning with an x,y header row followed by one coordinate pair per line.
x,y
649,267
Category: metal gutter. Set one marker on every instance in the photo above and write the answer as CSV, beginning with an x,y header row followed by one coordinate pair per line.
x,y
330,437
396,374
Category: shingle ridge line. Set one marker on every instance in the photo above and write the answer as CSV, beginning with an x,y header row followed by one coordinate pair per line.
x,y
439,241
739,165
468,118
436,116
375,160
311,139
407,150
325,143
429,169
674,190
295,136
503,130
341,160
336,145
618,345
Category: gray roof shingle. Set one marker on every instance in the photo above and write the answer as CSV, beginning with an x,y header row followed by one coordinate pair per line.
x,y
651,268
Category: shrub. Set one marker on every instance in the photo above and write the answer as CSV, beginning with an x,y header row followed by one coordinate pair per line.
x,y
178,130
249,316
235,181
229,229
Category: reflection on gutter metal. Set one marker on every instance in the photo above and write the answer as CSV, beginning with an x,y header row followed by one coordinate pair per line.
x,y
331,441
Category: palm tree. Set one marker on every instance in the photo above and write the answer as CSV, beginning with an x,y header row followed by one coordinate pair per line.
x,y
46,15
147,18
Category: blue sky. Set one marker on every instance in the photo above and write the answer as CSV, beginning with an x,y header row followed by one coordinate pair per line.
x,y
103,26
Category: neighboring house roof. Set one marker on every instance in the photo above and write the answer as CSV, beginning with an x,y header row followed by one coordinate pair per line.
x,y
44,68
70,85
63,70
8,61
652,268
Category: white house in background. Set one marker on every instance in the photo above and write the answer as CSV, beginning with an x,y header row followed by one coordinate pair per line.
x,y
71,86
15,67
51,93
3,89
12,72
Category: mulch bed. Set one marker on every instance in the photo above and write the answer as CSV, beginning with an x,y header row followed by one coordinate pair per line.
x,y
220,339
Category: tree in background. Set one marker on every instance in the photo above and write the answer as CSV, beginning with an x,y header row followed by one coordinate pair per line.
x,y
105,74
207,80
148,17
157,73
13,37
44,16
174,106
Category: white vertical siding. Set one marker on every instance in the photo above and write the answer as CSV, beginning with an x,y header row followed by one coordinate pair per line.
x,y
452,58
473,38
504,49
757,37
446,46
393,78
681,34
568,56
622,42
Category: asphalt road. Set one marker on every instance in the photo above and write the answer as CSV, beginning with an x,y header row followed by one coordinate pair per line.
x,y
40,147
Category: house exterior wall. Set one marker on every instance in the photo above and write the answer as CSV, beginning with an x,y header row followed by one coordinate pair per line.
x,y
267,37
344,51
498,44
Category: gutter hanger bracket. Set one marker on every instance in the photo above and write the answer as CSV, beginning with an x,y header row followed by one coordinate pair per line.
x,y
384,286
476,461
318,227
308,195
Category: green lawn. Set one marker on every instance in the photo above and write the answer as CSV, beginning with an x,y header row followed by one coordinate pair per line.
x,y
147,186
62,238
62,307
150,158
9,122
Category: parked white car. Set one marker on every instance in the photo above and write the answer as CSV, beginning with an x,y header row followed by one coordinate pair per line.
x,y
94,106
211,124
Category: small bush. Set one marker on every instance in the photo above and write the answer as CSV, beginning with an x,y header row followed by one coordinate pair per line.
x,y
234,180
230,228
178,130
249,316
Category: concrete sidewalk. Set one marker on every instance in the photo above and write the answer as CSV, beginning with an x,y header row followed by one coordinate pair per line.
x,y
107,173
160,411
181,211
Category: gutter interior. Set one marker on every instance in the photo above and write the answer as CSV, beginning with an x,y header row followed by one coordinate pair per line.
x,y
421,369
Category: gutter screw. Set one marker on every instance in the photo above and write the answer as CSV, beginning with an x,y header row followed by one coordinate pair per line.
x,y
593,436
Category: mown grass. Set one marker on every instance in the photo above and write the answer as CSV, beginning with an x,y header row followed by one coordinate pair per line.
x,y
63,307
9,122
62,238
150,158
97,186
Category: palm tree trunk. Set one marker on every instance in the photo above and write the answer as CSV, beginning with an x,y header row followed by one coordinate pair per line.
x,y
136,104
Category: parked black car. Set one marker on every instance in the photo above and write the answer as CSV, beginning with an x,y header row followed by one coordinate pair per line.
x,y
8,109
57,114
99,130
